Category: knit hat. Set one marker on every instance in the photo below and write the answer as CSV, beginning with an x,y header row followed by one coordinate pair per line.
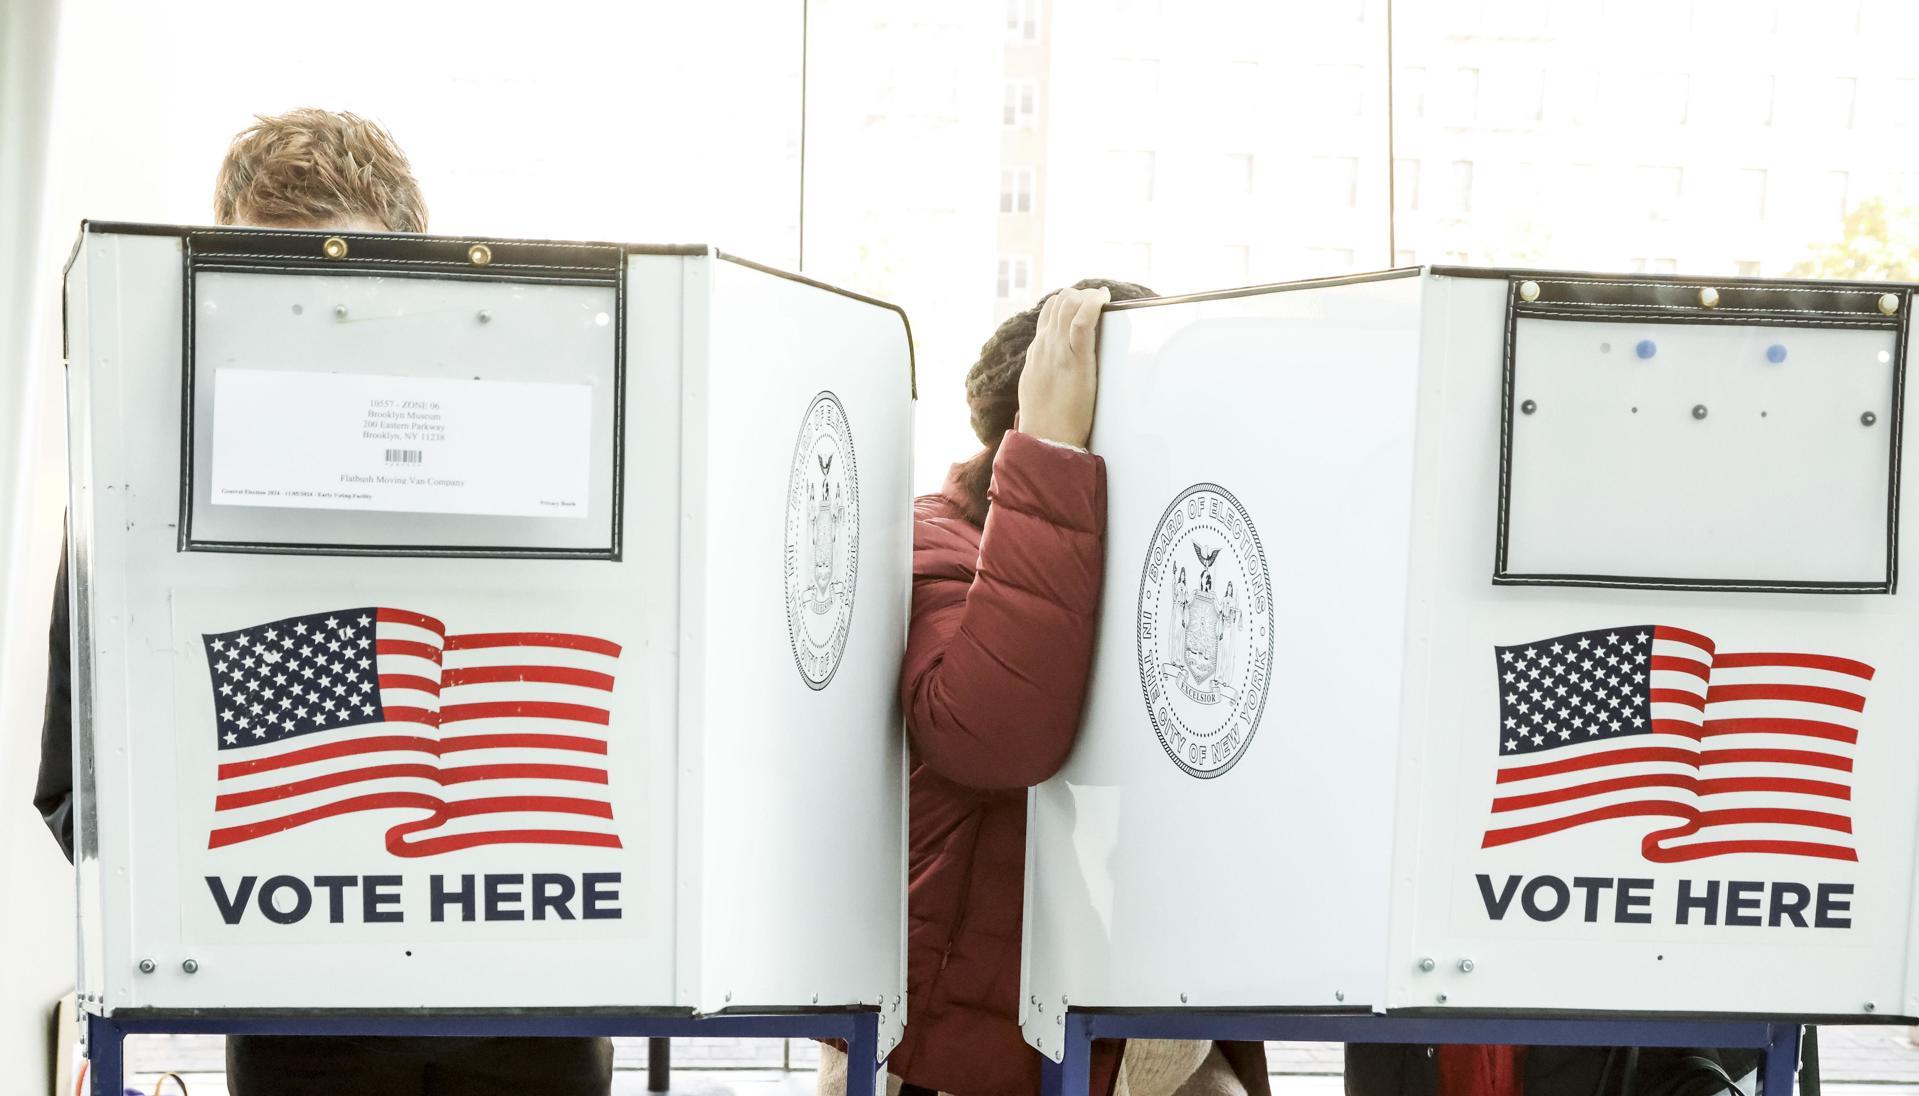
x,y
992,384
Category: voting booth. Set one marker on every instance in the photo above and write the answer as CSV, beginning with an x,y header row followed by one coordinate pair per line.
x,y
1493,643
484,625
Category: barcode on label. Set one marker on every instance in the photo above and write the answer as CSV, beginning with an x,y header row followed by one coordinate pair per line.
x,y
404,456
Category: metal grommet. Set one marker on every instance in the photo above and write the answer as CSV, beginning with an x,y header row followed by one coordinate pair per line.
x,y
479,254
1708,297
1465,966
1529,291
147,966
334,248
1698,410
1868,419
1528,407
1339,995
190,965
486,315
1427,965
1889,303
1182,998
339,312
1441,998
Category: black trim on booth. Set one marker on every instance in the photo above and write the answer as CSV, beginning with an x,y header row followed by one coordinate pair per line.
x,y
1668,300
273,251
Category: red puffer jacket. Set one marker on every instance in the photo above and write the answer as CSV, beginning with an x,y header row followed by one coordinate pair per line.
x,y
995,676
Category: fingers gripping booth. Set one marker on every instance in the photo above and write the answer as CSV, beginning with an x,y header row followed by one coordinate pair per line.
x,y
1486,643
485,628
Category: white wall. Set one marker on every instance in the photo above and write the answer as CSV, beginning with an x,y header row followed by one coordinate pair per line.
x,y
36,912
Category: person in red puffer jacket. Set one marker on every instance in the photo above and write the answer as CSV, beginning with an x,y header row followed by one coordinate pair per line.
x,y
1008,562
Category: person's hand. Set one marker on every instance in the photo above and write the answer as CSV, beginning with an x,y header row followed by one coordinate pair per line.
x,y
1060,384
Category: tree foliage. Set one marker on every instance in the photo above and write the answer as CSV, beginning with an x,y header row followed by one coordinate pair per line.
x,y
1878,243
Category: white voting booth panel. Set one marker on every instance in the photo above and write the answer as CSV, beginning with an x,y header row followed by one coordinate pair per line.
x,y
483,624
1582,685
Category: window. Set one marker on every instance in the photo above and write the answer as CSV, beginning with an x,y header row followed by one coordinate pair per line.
x,y
1016,190
1839,101
1516,97
1834,195
1021,106
1659,191
1573,96
1409,93
1746,268
1241,83
1731,99
1236,176
1462,101
1406,184
1462,191
1334,182
1655,266
1747,200
1405,257
1129,176
1339,90
1136,77
1015,277
1649,99
1022,20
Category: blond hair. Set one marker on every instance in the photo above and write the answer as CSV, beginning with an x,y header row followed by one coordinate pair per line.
x,y
317,167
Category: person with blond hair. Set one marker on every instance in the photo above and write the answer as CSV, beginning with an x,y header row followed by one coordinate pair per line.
x,y
318,169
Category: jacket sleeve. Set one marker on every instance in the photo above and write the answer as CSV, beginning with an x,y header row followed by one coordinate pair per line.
x,y
53,790
996,669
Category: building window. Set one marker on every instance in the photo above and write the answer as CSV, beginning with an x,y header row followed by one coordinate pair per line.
x,y
1746,268
1463,104
1015,277
1406,185
1842,100
1022,20
1335,182
1748,198
1574,95
1462,195
1340,90
1655,266
1836,190
1659,191
1022,104
1405,257
1736,99
1016,190
1409,93
1129,176
1237,176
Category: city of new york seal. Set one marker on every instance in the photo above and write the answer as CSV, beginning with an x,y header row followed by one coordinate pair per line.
x,y
822,540
1205,630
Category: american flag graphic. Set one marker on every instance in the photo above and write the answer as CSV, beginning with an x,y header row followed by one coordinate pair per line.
x,y
1734,752
477,739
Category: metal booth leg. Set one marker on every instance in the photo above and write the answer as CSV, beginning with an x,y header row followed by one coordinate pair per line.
x,y
1074,1073
862,1055
1782,1061
106,1062
659,1064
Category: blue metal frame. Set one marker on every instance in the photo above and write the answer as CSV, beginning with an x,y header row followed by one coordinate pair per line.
x,y
1072,1076
860,1030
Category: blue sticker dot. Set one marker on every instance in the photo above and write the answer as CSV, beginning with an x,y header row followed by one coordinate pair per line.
x,y
1646,348
1776,353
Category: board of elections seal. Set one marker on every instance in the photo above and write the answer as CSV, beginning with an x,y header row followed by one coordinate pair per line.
x,y
1205,635
822,540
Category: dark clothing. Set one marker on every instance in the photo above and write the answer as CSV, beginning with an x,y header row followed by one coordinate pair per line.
x,y
53,789
329,1065
305,1065
1005,605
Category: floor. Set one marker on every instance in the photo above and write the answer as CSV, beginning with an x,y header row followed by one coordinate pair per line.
x,y
1856,1061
